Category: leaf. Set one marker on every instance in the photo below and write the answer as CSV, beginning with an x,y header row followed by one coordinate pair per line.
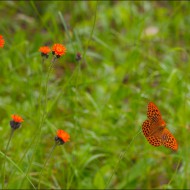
x,y
99,180
101,176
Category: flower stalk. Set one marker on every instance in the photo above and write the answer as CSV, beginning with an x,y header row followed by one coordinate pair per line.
x,y
15,123
45,163
61,138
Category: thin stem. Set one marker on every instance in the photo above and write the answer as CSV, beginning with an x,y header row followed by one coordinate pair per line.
x,y
20,161
121,156
45,94
43,117
66,30
78,70
40,176
18,169
177,168
5,157
92,31
46,87
44,108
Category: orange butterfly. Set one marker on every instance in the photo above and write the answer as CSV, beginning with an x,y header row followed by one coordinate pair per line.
x,y
154,129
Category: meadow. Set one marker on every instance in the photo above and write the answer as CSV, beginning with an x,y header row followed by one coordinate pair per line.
x,y
132,53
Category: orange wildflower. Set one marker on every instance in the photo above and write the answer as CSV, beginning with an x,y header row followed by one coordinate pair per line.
x,y
16,121
62,137
17,118
2,41
58,50
44,51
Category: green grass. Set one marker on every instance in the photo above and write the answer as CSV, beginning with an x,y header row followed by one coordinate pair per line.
x,y
102,100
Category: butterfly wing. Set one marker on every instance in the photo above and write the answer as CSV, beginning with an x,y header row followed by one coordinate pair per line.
x,y
153,140
146,128
153,113
169,140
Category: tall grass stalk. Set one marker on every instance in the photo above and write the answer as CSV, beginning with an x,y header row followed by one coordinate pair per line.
x,y
121,156
42,118
5,157
45,163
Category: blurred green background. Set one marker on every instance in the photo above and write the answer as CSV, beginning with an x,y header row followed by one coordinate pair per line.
x,y
133,53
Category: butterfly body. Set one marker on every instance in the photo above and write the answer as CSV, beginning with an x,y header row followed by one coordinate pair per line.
x,y
155,131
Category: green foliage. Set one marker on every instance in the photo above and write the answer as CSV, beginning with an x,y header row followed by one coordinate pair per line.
x,y
132,53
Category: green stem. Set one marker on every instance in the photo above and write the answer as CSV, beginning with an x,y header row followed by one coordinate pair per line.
x,y
18,169
40,176
92,31
177,168
5,157
20,161
43,117
46,88
121,156
45,95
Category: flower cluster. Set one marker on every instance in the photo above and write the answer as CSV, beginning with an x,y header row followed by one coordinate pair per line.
x,y
57,49
61,138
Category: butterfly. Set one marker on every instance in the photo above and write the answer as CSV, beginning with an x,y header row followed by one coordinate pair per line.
x,y
155,131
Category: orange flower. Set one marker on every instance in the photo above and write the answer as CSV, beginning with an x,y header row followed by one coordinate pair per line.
x,y
44,51
58,50
62,137
2,41
16,121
